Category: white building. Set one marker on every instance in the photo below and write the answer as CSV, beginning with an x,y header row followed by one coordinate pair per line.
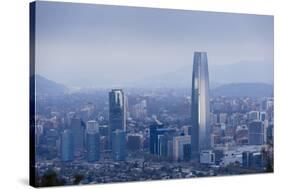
x,y
179,143
207,157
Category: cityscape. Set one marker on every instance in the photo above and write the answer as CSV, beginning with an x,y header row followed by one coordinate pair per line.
x,y
124,94
119,135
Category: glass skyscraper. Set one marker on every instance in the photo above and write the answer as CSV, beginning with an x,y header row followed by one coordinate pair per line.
x,y
93,141
159,138
119,145
200,105
117,110
78,129
66,147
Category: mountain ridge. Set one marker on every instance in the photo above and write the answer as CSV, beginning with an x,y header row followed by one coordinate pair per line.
x,y
44,86
244,89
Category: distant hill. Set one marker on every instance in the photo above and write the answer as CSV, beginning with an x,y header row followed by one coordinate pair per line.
x,y
260,72
244,89
48,87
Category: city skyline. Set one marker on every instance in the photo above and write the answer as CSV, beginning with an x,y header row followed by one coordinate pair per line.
x,y
130,115
140,131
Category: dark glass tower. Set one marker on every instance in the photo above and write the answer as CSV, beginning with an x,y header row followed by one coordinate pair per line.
x,y
66,147
119,150
93,141
116,110
159,137
77,127
200,105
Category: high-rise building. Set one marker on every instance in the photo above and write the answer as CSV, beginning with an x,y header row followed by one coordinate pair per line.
x,y
256,133
78,130
200,105
253,115
117,113
105,136
66,146
181,148
156,142
119,150
93,141
153,137
117,117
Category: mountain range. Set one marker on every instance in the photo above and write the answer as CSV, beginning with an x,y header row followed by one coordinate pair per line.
x,y
241,72
46,86
244,89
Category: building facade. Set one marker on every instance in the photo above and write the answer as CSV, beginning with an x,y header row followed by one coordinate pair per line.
x,y
66,146
117,117
119,150
200,105
78,130
92,141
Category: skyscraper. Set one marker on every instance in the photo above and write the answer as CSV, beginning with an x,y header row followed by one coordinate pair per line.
x,y
153,137
256,133
117,118
200,105
93,141
78,130
66,147
158,136
119,149
180,147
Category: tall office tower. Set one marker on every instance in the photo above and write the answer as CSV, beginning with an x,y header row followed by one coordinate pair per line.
x,y
253,115
117,117
181,148
163,145
256,133
153,137
200,105
156,140
78,130
66,146
119,150
93,141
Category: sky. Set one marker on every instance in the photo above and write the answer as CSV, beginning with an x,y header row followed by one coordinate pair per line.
x,y
88,45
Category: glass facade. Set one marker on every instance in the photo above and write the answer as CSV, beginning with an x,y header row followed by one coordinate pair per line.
x,y
200,104
116,110
66,145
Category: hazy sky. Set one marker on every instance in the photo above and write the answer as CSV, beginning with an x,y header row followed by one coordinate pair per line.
x,y
92,45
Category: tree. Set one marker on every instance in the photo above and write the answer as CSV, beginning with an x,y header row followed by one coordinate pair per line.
x,y
50,178
78,178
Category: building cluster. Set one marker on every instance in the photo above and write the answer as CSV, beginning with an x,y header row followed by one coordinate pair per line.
x,y
159,127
